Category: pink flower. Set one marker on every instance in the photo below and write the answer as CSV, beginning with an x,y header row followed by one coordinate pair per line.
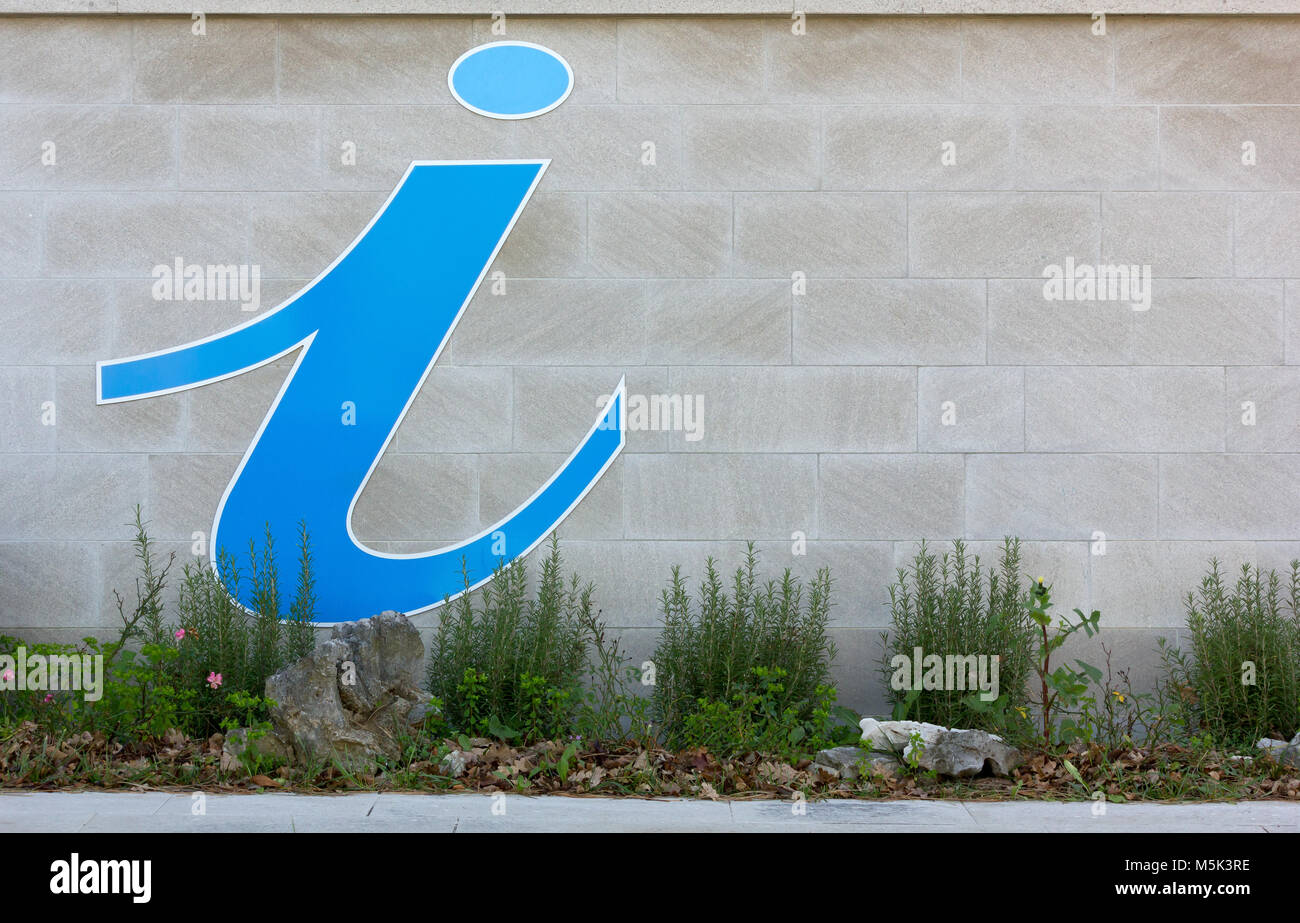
x,y
9,676
214,680
49,697
180,633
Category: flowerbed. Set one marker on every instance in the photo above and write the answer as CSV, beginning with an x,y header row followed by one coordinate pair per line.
x,y
32,760
529,692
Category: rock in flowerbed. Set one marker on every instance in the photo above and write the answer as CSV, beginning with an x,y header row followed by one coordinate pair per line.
x,y
1285,753
352,697
962,754
254,749
954,752
898,736
847,762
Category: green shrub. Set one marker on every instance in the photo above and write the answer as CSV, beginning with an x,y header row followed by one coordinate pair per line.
x,y
1115,715
161,675
613,707
735,670
213,634
1063,700
506,664
760,718
1245,645
949,605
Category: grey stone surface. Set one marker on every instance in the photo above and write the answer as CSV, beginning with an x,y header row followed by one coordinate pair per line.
x,y
1253,497
73,327
686,60
460,409
605,148
974,409
1261,415
662,235
1039,496
861,572
800,409
887,497
94,59
1202,147
720,496
74,496
1144,584
386,138
1060,148
21,222
1161,60
1175,233
718,322
837,62
1210,322
113,235
249,147
134,426
243,747
1290,754
833,235
1123,409
67,573
93,147
340,60
1268,232
180,495
890,322
548,241
296,235
234,62
958,235
1034,60
1291,333
1026,329
903,147
26,393
223,417
751,147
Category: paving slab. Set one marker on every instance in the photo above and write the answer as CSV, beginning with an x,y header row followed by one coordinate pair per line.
x,y
858,814
133,803
71,812
1079,817
156,823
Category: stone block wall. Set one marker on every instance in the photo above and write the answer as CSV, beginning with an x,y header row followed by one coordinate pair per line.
x,y
836,239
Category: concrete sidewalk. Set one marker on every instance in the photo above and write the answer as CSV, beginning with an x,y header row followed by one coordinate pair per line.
x,y
149,812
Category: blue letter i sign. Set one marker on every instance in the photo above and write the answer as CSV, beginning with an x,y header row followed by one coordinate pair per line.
x,y
367,331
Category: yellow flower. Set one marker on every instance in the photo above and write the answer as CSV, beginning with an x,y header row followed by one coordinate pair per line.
x,y
1118,695
1023,713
